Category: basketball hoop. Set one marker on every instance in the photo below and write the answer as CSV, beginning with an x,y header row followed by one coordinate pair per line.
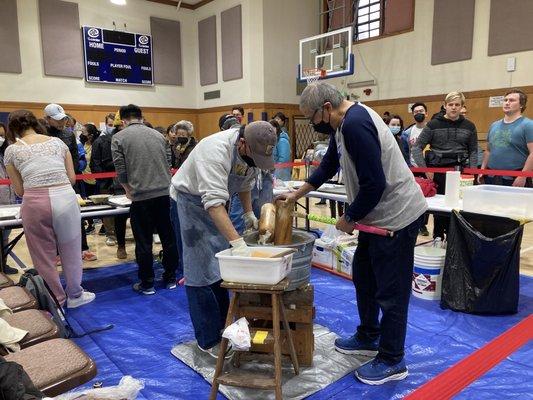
x,y
312,75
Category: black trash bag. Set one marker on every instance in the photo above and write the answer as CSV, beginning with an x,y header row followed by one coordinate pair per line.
x,y
481,270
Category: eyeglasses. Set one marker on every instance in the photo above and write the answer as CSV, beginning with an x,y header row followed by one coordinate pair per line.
x,y
311,119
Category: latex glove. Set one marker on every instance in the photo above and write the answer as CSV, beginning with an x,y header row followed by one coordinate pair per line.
x,y
240,248
250,221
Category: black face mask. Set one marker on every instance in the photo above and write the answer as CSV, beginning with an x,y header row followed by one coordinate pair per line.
x,y
83,139
182,140
248,160
420,117
325,128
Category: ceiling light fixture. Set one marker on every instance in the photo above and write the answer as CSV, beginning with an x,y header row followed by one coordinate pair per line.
x,y
119,2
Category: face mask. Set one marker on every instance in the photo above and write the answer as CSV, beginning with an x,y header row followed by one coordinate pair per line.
x,y
420,117
394,129
182,140
83,139
69,130
109,129
324,127
248,160
2,140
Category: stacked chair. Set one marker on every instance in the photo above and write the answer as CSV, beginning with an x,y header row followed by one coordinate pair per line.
x,y
55,365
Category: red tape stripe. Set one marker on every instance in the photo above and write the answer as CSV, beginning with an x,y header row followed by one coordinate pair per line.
x,y
473,171
456,378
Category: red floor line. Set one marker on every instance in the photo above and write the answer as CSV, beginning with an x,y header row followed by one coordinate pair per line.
x,y
456,378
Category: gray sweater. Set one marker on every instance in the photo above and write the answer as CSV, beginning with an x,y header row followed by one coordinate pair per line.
x,y
140,158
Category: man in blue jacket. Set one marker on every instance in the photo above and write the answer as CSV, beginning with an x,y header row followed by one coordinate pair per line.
x,y
382,192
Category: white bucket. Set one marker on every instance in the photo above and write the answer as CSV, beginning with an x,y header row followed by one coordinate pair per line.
x,y
427,272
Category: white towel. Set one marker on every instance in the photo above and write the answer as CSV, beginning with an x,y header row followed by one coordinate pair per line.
x,y
10,336
4,310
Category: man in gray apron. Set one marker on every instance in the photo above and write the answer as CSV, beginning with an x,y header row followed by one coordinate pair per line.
x,y
382,192
219,166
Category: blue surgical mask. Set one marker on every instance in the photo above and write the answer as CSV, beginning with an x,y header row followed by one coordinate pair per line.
x,y
109,129
394,129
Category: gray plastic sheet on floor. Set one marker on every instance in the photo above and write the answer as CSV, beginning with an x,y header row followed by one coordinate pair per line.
x,y
328,367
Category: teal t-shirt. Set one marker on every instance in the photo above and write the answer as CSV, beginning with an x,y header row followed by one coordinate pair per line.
x,y
508,143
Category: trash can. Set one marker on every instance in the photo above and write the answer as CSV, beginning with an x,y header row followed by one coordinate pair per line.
x,y
481,270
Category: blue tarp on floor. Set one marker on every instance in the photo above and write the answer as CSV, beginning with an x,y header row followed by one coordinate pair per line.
x,y
147,327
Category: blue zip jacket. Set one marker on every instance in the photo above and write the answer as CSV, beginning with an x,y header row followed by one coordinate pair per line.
x,y
282,154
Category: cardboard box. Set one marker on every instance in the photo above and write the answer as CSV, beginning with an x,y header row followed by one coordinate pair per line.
x,y
345,253
324,255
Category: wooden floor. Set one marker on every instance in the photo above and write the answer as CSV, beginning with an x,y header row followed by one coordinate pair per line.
x,y
107,254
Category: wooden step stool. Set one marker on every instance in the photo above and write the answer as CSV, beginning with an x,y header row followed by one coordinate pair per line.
x,y
246,379
300,312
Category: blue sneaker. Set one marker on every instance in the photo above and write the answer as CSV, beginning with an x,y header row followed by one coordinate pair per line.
x,y
352,345
376,372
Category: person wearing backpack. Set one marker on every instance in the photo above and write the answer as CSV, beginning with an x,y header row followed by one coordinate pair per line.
x,y
42,172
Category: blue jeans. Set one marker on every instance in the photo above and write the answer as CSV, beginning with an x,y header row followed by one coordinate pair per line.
x,y
176,226
259,197
208,307
382,275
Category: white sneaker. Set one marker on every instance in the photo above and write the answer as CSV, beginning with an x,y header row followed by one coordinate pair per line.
x,y
156,239
213,351
85,298
110,241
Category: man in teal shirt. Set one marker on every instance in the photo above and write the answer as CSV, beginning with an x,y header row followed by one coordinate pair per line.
x,y
510,142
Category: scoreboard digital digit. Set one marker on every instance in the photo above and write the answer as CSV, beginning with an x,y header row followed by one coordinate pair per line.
x,y
117,57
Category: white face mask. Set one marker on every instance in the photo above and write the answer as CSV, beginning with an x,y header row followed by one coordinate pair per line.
x,y
2,140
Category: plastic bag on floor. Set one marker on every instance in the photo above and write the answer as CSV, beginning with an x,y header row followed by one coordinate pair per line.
x,y
481,271
127,389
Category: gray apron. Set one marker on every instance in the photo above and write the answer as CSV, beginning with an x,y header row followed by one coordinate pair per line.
x,y
200,238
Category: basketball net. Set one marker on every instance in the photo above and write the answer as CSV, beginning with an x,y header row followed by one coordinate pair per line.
x,y
312,75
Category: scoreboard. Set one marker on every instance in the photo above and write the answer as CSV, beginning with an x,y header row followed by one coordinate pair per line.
x,y
117,57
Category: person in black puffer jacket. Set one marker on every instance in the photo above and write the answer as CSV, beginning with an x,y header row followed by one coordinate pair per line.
x,y
56,119
453,143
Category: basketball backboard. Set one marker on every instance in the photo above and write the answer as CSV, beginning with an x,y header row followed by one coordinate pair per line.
x,y
329,52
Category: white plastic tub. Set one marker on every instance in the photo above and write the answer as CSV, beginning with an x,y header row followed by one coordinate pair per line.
x,y
266,271
505,201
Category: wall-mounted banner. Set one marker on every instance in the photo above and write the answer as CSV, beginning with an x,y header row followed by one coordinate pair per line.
x,y
117,57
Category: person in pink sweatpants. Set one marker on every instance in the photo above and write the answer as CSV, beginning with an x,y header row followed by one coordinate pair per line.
x,y
42,172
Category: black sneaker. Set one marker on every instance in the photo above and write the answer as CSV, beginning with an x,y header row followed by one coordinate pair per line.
x,y
147,291
10,270
171,285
